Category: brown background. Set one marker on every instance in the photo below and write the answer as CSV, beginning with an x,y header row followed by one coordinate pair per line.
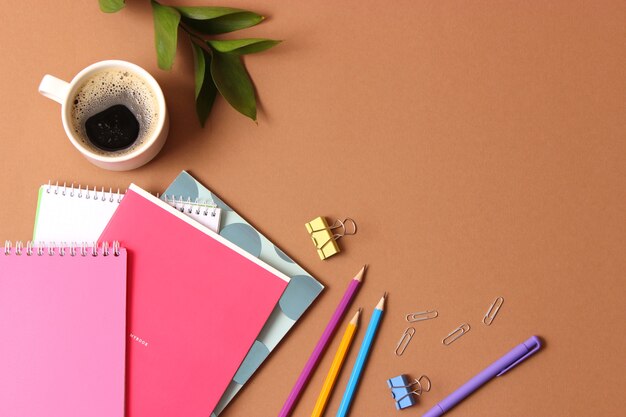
x,y
480,146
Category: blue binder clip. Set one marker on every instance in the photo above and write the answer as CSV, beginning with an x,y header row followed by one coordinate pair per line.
x,y
405,392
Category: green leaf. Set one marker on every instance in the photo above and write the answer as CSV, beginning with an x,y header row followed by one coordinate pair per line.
x,y
233,83
166,20
205,88
243,46
199,66
111,6
205,13
215,20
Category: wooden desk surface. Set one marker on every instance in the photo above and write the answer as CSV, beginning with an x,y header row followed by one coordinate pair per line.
x,y
480,147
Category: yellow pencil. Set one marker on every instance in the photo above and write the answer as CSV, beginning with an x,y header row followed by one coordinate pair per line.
x,y
335,367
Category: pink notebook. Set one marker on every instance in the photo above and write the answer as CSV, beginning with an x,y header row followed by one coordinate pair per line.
x,y
196,303
62,327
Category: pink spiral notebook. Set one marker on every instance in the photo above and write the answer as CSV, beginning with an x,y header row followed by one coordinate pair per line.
x,y
62,332
196,302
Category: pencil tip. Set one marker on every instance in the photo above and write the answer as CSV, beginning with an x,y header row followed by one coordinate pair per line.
x,y
381,303
359,275
355,319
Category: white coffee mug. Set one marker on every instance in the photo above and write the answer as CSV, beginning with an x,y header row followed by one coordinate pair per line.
x,y
64,93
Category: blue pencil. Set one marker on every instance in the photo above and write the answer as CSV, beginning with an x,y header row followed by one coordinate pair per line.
x,y
364,351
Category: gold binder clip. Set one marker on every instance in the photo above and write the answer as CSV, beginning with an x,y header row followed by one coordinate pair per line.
x,y
323,236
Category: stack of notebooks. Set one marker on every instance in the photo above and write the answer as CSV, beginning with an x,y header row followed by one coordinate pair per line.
x,y
169,313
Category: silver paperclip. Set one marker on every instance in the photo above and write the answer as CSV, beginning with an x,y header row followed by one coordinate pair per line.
x,y
404,340
493,311
422,315
456,333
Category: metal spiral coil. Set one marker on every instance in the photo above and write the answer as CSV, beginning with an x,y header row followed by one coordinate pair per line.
x,y
84,192
197,206
63,249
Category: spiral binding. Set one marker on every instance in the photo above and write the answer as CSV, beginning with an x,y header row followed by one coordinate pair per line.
x,y
84,192
73,249
200,207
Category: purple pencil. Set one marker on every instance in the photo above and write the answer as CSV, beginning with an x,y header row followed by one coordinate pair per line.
x,y
322,344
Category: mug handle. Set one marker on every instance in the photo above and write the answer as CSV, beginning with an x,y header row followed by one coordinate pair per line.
x,y
54,88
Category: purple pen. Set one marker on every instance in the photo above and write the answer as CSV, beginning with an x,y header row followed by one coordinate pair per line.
x,y
499,367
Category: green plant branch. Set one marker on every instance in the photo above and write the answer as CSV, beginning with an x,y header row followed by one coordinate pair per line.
x,y
218,65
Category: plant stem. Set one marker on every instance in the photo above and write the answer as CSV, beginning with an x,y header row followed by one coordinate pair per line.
x,y
199,41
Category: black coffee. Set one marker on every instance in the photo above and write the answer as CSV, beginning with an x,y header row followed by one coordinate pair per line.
x,y
114,112
113,129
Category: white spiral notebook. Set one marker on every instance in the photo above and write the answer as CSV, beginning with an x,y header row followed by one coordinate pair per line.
x,y
73,213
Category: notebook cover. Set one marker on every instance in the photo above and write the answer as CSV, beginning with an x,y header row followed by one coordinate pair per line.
x,y
62,321
67,213
196,303
302,290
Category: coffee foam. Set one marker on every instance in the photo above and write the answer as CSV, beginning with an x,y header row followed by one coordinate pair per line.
x,y
108,88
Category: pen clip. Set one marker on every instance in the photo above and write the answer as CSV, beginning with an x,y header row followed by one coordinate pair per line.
x,y
536,344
